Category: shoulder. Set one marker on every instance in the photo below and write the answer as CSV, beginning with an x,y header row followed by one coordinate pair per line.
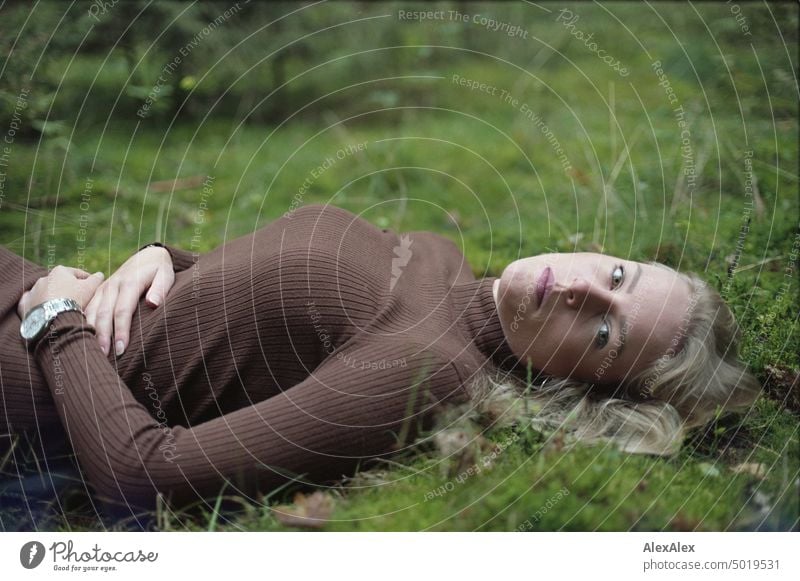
x,y
321,220
434,239
441,253
319,212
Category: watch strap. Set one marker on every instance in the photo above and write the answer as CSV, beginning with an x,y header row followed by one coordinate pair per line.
x,y
55,306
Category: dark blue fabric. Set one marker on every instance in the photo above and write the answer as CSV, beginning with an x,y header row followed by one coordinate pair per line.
x,y
35,485
42,489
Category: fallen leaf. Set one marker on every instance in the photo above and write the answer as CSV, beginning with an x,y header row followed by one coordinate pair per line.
x,y
310,511
756,469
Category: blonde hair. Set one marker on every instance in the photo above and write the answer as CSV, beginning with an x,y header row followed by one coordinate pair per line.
x,y
650,412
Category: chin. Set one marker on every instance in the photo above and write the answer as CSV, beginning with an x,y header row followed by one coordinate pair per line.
x,y
515,280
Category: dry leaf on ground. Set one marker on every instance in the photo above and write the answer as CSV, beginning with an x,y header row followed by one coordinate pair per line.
x,y
756,469
310,511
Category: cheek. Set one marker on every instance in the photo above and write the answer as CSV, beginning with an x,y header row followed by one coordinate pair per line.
x,y
560,330
562,352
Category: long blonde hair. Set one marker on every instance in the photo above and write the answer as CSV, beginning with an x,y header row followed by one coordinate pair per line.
x,y
647,413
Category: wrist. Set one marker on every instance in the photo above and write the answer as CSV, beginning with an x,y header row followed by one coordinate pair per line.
x,y
180,259
155,245
39,319
159,245
47,349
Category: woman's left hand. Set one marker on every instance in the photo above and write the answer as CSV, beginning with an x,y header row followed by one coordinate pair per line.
x,y
62,282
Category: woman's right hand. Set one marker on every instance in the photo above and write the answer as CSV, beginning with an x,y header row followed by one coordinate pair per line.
x,y
116,299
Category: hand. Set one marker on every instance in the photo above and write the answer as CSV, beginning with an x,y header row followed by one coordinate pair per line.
x,y
117,298
61,282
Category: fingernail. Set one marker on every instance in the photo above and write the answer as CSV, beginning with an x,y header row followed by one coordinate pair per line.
x,y
156,300
119,347
100,274
104,349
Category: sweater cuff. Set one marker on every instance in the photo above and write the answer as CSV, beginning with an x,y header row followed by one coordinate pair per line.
x,y
66,323
181,259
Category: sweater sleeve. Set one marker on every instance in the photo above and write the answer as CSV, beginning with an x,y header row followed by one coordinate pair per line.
x,y
360,403
181,259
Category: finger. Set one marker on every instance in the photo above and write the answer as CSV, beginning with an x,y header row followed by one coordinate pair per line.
x,y
91,308
89,285
96,280
77,272
162,283
104,318
127,300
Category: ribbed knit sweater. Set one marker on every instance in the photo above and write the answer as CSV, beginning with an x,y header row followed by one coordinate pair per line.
x,y
298,351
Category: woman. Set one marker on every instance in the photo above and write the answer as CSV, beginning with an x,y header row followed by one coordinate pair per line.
x,y
320,341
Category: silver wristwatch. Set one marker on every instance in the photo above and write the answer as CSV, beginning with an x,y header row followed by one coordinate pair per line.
x,y
39,317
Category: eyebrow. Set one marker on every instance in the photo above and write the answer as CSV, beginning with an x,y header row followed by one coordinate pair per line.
x,y
635,279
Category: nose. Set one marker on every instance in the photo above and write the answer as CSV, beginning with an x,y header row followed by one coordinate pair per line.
x,y
583,294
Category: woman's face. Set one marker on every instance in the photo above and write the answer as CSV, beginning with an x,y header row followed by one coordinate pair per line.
x,y
590,316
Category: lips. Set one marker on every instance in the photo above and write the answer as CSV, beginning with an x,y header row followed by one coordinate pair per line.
x,y
544,284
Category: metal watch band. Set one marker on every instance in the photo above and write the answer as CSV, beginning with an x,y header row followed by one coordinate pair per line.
x,y
60,305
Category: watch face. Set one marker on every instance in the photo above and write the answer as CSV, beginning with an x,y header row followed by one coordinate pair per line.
x,y
33,323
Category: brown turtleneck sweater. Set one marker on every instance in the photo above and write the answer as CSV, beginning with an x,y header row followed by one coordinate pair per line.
x,y
297,351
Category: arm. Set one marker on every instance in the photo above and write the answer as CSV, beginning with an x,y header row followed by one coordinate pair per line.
x,y
181,259
320,428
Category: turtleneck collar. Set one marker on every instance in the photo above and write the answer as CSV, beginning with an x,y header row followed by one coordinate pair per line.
x,y
479,320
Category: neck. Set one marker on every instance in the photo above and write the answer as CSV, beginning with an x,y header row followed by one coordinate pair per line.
x,y
475,306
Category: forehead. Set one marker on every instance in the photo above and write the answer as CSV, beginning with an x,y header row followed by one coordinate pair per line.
x,y
652,278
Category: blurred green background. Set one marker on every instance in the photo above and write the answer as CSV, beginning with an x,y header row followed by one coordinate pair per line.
x,y
114,114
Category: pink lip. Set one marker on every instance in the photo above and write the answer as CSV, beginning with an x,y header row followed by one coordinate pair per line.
x,y
544,285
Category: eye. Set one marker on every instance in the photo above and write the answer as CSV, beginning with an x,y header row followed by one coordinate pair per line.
x,y
603,333
617,276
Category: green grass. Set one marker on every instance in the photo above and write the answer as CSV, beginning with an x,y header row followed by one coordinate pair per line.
x,y
608,490
507,196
